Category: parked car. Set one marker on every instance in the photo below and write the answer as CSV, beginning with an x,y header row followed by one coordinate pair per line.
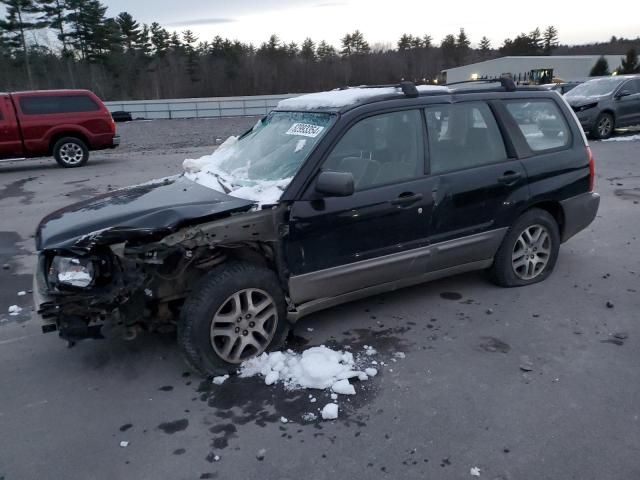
x,y
66,124
330,198
606,103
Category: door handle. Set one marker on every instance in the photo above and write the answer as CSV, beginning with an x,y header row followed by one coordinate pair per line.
x,y
407,199
510,177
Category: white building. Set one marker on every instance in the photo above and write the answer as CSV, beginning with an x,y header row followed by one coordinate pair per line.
x,y
564,67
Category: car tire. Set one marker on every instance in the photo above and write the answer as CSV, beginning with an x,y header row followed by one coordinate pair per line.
x,y
529,250
71,152
225,312
604,126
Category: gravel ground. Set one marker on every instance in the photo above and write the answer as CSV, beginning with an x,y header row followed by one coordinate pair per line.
x,y
145,135
536,383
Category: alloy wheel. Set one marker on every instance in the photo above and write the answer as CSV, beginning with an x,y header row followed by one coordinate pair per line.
x,y
605,125
531,252
244,325
71,153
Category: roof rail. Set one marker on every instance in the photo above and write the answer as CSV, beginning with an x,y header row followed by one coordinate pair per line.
x,y
507,82
408,88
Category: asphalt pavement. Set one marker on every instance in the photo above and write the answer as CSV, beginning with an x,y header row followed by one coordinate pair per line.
x,y
541,382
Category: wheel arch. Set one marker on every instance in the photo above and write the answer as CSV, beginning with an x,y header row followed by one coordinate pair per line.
x,y
72,133
554,209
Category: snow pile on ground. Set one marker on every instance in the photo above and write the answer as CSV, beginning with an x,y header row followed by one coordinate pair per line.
x,y
342,98
206,171
14,310
629,138
317,367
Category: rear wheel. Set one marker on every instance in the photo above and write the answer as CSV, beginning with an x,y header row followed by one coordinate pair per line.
x,y
604,126
70,152
529,251
235,313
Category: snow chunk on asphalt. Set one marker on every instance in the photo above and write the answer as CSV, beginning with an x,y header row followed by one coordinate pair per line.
x,y
343,387
220,380
475,472
309,417
317,367
14,310
369,350
372,372
22,293
330,411
399,355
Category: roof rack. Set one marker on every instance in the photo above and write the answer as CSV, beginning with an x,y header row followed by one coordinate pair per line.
x,y
507,82
408,88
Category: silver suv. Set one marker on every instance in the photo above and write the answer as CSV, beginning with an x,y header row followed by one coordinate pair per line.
x,y
604,104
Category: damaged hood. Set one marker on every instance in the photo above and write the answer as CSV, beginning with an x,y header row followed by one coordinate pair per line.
x,y
146,210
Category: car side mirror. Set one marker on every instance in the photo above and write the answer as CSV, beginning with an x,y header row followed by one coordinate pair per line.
x,y
623,93
335,184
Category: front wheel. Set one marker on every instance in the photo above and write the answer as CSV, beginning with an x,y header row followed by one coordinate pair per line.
x,y
604,126
236,312
529,251
70,152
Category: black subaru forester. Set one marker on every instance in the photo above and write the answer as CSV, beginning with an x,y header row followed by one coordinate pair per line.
x,y
331,197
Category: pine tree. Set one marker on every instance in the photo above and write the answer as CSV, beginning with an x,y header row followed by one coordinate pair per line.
x,y
629,64
536,41
405,42
90,33
354,44
550,39
601,68
130,31
308,50
485,47
53,15
326,51
159,39
16,24
427,41
448,48
189,38
461,47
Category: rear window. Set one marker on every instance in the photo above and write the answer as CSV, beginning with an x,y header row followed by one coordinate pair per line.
x,y
541,122
57,104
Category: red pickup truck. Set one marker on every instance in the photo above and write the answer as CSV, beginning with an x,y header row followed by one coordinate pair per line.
x,y
63,123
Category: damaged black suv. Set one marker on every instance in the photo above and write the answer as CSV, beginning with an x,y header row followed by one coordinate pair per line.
x,y
331,197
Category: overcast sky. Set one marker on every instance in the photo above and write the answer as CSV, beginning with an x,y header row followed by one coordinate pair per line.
x,y
383,21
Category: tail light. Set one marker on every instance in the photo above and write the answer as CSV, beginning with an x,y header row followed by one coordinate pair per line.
x,y
592,170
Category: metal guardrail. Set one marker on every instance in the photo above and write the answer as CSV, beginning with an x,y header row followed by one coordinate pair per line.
x,y
199,107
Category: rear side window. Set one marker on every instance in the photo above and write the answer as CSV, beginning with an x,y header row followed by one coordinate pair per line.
x,y
47,104
541,123
463,135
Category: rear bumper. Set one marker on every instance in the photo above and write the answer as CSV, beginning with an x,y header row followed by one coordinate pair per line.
x,y
579,212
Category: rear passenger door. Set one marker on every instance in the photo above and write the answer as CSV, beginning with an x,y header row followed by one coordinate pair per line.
x,y
478,189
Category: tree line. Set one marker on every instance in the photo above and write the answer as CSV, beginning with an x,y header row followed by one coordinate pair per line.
x,y
74,44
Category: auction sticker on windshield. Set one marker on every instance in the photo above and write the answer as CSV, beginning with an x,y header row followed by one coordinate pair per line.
x,y
305,129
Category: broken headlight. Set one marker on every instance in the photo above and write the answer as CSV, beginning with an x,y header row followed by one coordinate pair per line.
x,y
72,272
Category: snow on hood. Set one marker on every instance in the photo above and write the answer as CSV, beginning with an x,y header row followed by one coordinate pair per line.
x,y
206,171
343,98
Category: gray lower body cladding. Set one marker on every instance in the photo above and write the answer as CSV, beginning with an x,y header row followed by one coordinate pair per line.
x,y
316,290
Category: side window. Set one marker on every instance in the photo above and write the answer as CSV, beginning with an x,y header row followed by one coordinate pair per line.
x,y
47,104
633,86
463,135
541,123
380,150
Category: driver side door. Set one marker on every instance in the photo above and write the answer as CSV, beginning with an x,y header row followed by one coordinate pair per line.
x,y
338,245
